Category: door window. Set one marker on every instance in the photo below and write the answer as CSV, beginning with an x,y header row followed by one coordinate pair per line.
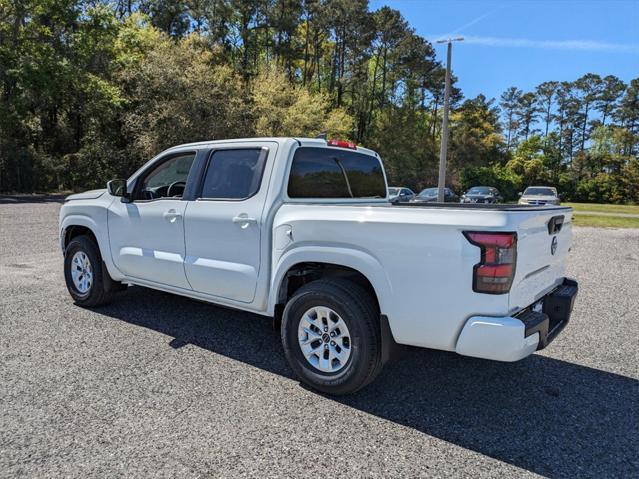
x,y
168,179
234,174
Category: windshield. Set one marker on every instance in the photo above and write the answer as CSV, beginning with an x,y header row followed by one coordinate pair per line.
x,y
535,191
479,190
393,191
429,192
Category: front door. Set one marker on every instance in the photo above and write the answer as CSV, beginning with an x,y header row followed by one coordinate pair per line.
x,y
147,234
223,226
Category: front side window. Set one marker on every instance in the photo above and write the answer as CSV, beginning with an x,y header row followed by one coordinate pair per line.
x,y
331,173
234,174
168,179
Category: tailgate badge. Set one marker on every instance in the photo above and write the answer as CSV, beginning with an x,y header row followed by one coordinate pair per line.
x,y
553,245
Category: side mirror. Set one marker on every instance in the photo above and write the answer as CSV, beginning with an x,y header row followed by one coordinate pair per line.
x,y
118,188
519,194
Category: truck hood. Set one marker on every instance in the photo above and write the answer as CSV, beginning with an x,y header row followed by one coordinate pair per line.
x,y
87,195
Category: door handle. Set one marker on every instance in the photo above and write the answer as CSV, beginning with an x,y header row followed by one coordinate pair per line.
x,y
171,215
244,220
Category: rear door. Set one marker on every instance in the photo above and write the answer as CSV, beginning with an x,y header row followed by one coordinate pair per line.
x,y
224,225
544,238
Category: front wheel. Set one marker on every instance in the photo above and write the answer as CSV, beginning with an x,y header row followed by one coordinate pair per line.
x,y
331,336
87,280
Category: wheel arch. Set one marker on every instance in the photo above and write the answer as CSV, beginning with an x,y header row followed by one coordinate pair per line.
x,y
323,262
76,225
72,231
314,262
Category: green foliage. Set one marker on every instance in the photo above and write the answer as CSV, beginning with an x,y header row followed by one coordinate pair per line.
x,y
630,175
475,133
178,94
603,188
603,173
402,140
503,178
283,109
529,162
90,90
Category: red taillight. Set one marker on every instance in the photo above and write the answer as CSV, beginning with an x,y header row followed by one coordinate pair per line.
x,y
342,144
495,272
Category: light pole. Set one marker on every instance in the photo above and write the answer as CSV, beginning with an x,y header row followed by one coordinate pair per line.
x,y
444,146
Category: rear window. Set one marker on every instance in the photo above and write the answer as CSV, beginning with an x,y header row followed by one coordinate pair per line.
x,y
333,173
429,192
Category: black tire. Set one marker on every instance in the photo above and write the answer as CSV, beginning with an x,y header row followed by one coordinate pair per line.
x,y
103,286
358,310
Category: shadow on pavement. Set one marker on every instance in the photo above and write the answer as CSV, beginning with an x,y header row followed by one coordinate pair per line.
x,y
544,415
21,199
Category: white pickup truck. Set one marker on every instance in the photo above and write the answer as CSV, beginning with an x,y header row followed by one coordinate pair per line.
x,y
301,230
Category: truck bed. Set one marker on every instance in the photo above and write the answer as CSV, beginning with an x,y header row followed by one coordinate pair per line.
x,y
424,262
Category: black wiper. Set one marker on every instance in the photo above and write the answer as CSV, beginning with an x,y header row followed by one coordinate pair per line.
x,y
341,167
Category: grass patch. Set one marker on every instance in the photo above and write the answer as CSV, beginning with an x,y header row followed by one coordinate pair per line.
x,y
633,209
605,221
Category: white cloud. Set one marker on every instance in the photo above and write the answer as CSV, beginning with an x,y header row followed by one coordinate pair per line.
x,y
477,20
583,45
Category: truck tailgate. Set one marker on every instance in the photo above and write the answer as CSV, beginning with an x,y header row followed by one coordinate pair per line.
x,y
543,241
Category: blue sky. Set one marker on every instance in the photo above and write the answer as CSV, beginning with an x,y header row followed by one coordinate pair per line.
x,y
524,43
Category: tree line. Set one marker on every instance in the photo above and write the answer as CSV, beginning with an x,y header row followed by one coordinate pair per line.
x,y
581,136
90,90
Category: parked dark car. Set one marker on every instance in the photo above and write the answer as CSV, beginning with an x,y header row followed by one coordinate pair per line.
x,y
482,194
400,194
429,195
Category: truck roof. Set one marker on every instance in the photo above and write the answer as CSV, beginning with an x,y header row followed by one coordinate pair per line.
x,y
316,142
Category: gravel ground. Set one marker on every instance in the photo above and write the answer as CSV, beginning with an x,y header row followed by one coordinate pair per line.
x,y
157,385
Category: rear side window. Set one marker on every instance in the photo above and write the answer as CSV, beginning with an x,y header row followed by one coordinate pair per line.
x,y
332,173
234,174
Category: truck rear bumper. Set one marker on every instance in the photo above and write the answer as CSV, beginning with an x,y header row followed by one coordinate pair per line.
x,y
511,338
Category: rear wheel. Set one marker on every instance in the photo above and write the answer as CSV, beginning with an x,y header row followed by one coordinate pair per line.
x,y
331,336
87,280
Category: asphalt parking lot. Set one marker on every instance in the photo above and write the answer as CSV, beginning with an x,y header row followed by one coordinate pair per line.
x,y
156,385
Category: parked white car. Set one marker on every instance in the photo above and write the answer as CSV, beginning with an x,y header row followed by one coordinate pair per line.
x,y
302,230
539,195
400,194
